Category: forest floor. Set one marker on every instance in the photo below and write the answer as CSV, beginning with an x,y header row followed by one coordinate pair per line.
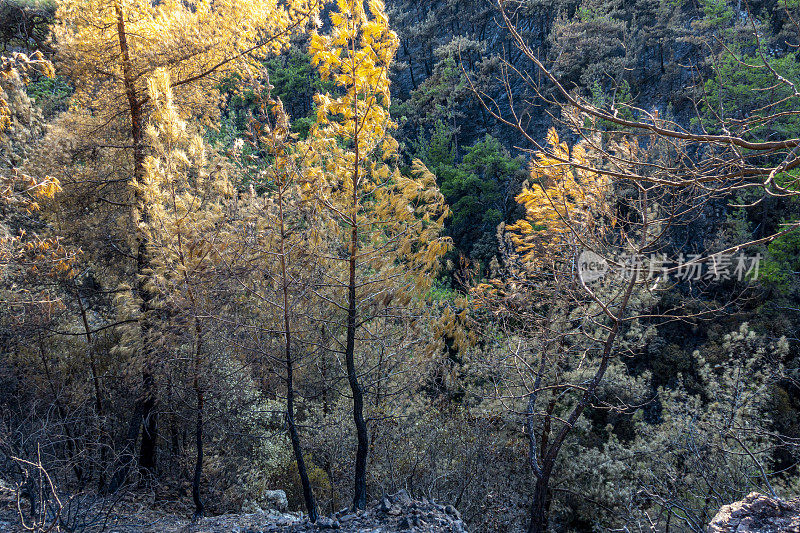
x,y
391,514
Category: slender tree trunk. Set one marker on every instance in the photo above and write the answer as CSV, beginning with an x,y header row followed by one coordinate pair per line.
x,y
308,494
199,390
134,105
98,395
540,507
199,507
126,457
410,65
333,493
148,447
62,413
147,402
360,485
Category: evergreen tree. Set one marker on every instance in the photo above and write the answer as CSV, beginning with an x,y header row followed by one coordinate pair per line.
x,y
385,225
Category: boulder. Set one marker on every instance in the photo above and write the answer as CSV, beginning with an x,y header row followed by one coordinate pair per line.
x,y
274,500
758,513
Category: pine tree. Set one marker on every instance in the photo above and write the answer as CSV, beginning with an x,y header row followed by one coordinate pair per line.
x,y
574,327
182,191
277,232
386,226
109,49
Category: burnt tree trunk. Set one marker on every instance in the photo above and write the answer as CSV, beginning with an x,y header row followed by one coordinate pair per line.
x,y
147,400
308,494
360,482
199,507
98,395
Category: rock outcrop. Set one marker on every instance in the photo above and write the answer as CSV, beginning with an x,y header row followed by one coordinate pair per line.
x,y
395,513
758,513
391,514
270,500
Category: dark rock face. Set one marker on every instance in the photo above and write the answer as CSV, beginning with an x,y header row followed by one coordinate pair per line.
x,y
758,513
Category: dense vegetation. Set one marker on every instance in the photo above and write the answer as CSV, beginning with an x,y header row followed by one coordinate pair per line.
x,y
535,259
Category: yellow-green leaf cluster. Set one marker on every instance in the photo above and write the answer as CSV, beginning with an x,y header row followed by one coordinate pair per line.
x,y
183,190
196,42
385,228
565,203
356,56
23,251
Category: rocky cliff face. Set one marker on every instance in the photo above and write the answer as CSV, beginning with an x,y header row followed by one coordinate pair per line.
x,y
758,513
